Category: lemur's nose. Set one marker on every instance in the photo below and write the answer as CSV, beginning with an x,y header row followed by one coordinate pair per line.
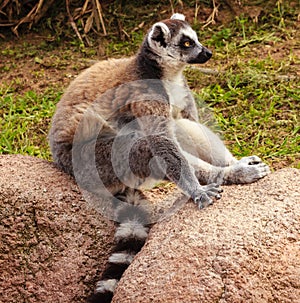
x,y
204,55
206,52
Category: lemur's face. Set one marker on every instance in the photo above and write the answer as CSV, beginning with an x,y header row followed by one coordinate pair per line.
x,y
174,40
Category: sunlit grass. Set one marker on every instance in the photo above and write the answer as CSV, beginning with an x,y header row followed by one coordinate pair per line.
x,y
25,121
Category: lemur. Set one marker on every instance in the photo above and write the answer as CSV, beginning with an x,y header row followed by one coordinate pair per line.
x,y
122,120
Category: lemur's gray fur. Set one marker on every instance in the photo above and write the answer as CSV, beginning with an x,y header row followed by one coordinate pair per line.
x,y
147,98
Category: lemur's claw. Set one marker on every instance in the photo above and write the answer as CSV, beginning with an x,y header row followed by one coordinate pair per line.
x,y
207,194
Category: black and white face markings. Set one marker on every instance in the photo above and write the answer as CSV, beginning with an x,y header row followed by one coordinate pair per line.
x,y
174,40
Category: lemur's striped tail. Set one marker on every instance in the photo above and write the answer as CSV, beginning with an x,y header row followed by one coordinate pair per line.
x,y
130,236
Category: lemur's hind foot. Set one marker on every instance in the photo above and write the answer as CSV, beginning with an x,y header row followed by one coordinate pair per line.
x,y
246,170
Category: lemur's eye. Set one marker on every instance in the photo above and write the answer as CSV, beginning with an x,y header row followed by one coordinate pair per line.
x,y
187,44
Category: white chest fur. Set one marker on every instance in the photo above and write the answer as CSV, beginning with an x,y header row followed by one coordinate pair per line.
x,y
179,96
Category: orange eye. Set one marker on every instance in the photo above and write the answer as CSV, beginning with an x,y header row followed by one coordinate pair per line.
x,y
187,44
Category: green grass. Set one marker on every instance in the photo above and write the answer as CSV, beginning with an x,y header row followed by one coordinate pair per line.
x,y
25,122
258,114
255,95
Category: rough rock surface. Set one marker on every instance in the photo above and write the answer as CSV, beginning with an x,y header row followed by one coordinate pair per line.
x,y
244,248
52,244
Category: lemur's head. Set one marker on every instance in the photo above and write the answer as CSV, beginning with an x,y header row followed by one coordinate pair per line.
x,y
174,40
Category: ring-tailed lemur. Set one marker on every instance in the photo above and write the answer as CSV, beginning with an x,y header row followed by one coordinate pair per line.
x,y
146,94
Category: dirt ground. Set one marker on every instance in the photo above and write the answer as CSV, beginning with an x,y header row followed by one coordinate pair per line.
x,y
28,72
35,61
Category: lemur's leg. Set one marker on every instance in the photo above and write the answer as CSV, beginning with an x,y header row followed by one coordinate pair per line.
x,y
211,159
201,142
158,157
113,163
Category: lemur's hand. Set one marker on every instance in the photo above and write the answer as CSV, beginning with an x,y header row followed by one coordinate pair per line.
x,y
246,170
207,194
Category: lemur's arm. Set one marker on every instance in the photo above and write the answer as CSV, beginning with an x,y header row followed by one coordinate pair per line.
x,y
154,144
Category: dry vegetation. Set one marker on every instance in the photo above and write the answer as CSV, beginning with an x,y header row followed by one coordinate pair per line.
x,y
15,13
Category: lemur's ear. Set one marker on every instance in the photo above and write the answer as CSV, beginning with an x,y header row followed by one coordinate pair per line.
x,y
178,17
159,33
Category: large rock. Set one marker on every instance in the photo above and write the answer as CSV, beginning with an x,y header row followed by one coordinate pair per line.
x,y
244,248
53,246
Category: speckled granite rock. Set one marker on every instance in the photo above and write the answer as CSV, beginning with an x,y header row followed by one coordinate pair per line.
x,y
52,245
244,248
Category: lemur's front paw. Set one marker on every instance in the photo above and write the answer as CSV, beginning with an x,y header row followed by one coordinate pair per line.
x,y
247,170
207,194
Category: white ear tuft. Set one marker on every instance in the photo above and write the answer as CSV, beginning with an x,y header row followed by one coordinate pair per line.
x,y
178,17
160,33
163,27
